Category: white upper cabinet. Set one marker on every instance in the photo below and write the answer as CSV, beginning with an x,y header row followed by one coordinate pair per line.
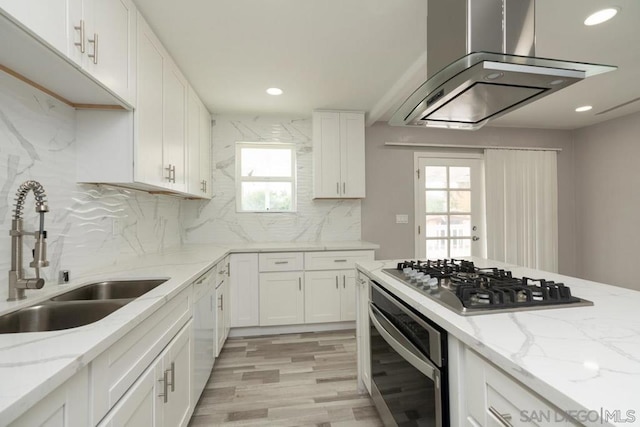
x,y
98,35
339,155
150,148
198,146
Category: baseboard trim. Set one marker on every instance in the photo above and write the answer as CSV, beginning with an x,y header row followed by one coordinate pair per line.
x,y
289,329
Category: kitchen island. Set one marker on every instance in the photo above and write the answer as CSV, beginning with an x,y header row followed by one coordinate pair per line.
x,y
580,361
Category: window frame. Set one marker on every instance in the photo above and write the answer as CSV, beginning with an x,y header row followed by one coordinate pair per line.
x,y
239,179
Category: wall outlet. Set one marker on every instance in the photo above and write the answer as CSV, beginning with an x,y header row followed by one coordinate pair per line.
x,y
402,219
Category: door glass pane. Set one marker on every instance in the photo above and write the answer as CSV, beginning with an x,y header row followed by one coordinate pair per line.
x,y
435,177
460,225
460,201
436,201
437,249
459,177
460,247
437,226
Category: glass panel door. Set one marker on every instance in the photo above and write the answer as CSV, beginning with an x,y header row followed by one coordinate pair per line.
x,y
449,208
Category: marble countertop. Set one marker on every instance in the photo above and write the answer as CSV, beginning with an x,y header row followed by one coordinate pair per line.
x,y
580,358
33,364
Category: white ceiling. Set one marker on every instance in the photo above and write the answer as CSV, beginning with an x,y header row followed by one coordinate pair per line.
x,y
370,54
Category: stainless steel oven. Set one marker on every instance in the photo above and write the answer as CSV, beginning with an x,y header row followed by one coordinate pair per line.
x,y
408,364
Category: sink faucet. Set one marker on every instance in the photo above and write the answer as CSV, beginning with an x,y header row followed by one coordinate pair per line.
x,y
17,282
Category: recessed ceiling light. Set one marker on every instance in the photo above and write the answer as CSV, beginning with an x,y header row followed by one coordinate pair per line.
x,y
584,108
274,91
601,16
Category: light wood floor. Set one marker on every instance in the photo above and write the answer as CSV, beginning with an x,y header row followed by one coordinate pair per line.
x,y
286,380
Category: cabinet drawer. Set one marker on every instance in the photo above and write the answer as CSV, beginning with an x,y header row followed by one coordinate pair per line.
x,y
281,261
115,370
332,260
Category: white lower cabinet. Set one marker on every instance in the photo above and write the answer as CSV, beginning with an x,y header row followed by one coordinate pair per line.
x,y
495,399
281,298
66,406
245,290
330,296
221,331
162,395
204,330
362,332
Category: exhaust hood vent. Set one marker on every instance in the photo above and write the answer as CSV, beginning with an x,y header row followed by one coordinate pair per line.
x,y
472,83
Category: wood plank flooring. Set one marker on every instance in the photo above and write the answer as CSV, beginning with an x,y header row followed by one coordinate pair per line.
x,y
304,379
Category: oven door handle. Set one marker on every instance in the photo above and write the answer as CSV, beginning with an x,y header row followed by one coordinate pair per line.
x,y
403,346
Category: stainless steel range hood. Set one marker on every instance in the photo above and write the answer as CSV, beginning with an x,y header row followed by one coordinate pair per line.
x,y
481,65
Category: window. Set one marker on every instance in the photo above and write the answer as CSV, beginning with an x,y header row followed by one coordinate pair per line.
x,y
265,177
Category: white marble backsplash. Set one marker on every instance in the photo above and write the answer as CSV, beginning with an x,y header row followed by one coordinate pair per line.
x,y
37,141
314,220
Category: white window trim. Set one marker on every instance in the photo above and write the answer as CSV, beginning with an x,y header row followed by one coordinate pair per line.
x,y
239,179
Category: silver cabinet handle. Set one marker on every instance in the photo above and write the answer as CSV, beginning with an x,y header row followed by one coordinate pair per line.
x,y
165,386
81,29
344,282
168,169
173,376
299,283
172,173
229,269
220,303
336,282
502,418
339,260
281,262
344,188
95,48
337,188
203,186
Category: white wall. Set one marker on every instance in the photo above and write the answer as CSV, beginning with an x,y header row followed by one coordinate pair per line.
x,y
390,180
37,141
608,201
218,221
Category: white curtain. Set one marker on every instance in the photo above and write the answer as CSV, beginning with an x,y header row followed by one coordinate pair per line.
x,y
522,207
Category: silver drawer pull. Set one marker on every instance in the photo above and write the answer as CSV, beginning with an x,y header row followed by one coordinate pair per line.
x,y
80,28
339,260
502,418
281,262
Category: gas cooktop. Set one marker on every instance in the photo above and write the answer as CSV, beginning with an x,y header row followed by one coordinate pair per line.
x,y
467,289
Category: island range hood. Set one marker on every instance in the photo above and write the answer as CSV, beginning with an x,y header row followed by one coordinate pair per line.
x,y
481,65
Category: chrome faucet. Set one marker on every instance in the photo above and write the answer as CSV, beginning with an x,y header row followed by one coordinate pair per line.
x,y
17,282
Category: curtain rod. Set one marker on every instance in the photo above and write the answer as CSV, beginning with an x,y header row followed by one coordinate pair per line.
x,y
479,147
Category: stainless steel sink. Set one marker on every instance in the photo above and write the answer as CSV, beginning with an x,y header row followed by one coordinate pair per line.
x,y
109,290
78,307
50,316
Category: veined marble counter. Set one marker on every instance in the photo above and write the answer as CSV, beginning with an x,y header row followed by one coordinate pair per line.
x,y
33,364
579,358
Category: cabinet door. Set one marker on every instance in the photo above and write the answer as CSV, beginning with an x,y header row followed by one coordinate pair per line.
x,y
149,115
362,332
114,22
174,141
52,20
206,178
281,298
204,317
66,406
177,361
352,154
138,406
220,326
245,288
322,296
348,295
194,186
326,154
